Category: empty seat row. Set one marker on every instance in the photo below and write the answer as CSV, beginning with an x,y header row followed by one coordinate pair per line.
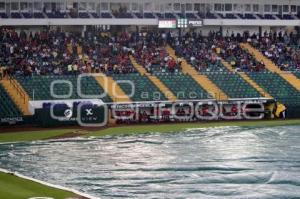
x,y
183,86
278,87
140,88
39,87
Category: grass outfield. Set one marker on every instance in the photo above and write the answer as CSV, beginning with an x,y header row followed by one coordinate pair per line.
x,y
13,187
138,129
32,135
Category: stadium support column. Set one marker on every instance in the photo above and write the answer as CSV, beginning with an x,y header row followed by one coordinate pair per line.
x,y
137,29
221,31
179,33
83,31
259,31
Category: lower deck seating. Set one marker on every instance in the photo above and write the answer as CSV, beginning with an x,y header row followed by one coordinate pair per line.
x,y
8,109
183,86
144,89
38,87
279,88
233,85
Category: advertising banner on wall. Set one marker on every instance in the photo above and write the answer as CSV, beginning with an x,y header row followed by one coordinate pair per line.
x,y
167,24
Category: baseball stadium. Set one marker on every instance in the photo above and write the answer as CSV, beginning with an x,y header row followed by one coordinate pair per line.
x,y
149,99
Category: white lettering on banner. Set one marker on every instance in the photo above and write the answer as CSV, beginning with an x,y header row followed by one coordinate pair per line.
x,y
195,23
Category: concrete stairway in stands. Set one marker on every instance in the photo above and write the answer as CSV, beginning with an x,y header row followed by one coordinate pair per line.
x,y
201,79
112,88
17,94
156,81
289,77
247,79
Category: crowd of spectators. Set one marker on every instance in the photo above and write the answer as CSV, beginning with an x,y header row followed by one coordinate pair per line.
x,y
57,53
282,48
150,52
205,53
197,50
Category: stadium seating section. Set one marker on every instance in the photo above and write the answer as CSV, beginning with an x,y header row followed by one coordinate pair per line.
x,y
233,85
277,87
7,107
144,89
218,59
38,87
183,86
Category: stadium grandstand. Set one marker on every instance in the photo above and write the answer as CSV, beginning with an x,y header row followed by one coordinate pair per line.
x,y
125,59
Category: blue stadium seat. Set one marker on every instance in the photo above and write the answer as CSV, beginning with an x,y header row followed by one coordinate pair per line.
x,y
210,16
285,17
260,16
27,15
201,15
190,16
169,15
123,15
38,15
221,15
246,16
95,15
106,15
230,16
56,15
83,15
159,15
249,16
16,15
138,15
3,15
269,16
149,15
180,15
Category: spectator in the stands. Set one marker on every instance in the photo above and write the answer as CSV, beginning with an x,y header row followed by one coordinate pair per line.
x,y
54,52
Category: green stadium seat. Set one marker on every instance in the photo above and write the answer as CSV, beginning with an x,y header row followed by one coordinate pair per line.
x,y
8,109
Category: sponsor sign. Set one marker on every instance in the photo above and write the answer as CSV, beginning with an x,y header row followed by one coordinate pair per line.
x,y
167,24
11,120
195,23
